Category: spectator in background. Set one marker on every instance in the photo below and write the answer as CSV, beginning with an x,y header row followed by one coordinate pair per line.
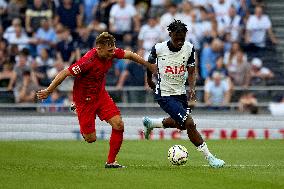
x,y
150,34
19,38
232,24
248,103
142,8
13,52
133,75
68,14
8,76
157,8
84,42
243,9
3,58
277,108
239,70
35,14
44,62
230,56
7,83
67,84
21,65
221,9
259,74
54,103
121,64
209,55
96,27
256,28
185,15
11,30
193,34
123,21
204,27
27,91
68,101
103,11
3,11
65,49
169,16
217,92
90,7
15,9
45,37
222,70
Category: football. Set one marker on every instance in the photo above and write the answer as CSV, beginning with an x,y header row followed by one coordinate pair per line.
x,y
177,155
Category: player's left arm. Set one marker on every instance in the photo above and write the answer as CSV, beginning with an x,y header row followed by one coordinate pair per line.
x,y
136,58
191,68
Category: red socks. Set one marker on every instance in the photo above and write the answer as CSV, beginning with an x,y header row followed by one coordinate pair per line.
x,y
115,142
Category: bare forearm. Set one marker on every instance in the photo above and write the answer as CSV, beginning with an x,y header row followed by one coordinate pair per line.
x,y
136,58
192,81
58,79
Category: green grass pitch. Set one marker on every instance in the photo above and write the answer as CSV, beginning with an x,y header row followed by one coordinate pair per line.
x,y
76,164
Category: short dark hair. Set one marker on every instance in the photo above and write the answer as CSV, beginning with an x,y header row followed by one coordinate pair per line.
x,y
105,39
177,26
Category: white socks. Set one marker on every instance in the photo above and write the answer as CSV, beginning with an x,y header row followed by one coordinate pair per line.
x,y
157,122
204,149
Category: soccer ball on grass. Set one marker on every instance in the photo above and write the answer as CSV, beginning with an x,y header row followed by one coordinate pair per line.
x,y
177,155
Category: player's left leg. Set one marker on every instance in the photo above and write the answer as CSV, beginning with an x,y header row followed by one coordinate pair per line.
x,y
116,139
109,112
200,144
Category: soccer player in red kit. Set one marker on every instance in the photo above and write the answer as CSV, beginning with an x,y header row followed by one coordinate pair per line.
x,y
90,95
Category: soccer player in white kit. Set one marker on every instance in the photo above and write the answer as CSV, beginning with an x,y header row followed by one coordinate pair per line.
x,y
173,59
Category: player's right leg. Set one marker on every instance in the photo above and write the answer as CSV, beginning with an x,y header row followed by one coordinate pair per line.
x,y
151,123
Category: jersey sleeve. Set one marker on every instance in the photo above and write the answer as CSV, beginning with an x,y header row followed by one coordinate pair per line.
x,y
81,65
191,59
119,53
152,56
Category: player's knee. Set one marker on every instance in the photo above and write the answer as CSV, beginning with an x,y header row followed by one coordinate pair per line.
x,y
189,123
119,125
90,138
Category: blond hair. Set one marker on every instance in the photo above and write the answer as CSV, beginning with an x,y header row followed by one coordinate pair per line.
x,y
105,39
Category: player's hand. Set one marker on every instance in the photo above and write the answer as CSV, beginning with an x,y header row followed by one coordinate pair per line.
x,y
42,94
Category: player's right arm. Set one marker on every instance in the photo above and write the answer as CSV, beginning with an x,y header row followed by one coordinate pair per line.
x,y
75,69
43,94
152,59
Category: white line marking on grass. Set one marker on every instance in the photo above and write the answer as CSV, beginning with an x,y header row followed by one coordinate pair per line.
x,y
229,165
253,165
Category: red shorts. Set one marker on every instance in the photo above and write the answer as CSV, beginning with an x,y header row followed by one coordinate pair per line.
x,y
105,108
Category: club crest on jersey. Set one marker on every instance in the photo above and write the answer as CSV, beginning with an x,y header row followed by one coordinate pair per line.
x,y
175,69
76,69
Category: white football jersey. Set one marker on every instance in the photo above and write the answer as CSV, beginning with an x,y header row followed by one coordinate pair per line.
x,y
172,68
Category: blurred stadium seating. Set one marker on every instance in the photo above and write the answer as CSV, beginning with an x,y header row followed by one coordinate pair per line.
x,y
43,68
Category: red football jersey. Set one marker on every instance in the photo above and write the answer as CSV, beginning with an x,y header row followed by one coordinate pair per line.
x,y
90,73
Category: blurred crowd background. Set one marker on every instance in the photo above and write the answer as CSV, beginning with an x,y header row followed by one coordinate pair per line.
x,y
235,43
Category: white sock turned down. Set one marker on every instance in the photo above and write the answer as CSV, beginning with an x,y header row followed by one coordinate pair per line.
x,y
204,149
157,122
